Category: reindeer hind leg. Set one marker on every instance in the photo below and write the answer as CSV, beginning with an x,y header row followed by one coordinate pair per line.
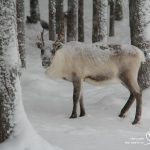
x,y
131,83
127,105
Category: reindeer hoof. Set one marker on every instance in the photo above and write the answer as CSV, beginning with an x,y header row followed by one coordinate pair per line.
x,y
136,121
73,116
122,115
82,114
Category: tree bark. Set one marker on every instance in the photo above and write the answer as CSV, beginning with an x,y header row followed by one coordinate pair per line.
x,y
99,20
112,18
21,31
72,20
52,20
60,19
34,11
8,68
119,10
81,20
139,24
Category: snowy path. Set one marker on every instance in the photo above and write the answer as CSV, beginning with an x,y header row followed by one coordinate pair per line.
x,y
48,105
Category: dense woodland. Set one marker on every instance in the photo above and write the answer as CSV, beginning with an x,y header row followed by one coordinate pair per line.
x,y
67,26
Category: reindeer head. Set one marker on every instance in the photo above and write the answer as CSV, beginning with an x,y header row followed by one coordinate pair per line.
x,y
48,49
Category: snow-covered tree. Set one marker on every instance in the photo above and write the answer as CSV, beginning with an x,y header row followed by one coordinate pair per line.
x,y
72,20
21,31
16,133
81,20
9,68
100,8
52,20
60,18
119,10
112,18
34,12
140,35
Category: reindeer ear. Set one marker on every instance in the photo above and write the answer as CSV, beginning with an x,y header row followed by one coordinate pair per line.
x,y
57,46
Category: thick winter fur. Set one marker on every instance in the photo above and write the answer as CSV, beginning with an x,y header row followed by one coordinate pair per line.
x,y
98,64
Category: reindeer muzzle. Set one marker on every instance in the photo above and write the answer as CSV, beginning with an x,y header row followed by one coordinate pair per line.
x,y
46,63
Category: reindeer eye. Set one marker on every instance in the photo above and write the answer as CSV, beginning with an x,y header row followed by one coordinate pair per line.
x,y
53,51
58,46
42,52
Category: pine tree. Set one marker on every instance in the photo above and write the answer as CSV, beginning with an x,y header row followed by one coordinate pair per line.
x,y
112,18
119,10
9,80
139,23
81,20
52,20
99,20
21,31
60,19
72,20
34,12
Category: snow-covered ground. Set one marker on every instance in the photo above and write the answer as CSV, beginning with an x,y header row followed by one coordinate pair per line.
x,y
48,103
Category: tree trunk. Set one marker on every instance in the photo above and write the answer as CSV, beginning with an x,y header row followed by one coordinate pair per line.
x,y
34,11
72,20
21,31
119,10
99,20
60,19
8,68
81,20
112,18
52,20
139,25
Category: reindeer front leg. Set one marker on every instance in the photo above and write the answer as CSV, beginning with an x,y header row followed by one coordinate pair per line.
x,y
82,110
76,94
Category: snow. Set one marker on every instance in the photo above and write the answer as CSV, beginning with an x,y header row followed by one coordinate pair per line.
x,y
48,104
24,137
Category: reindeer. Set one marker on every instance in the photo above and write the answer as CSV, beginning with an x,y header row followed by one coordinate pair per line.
x,y
95,64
